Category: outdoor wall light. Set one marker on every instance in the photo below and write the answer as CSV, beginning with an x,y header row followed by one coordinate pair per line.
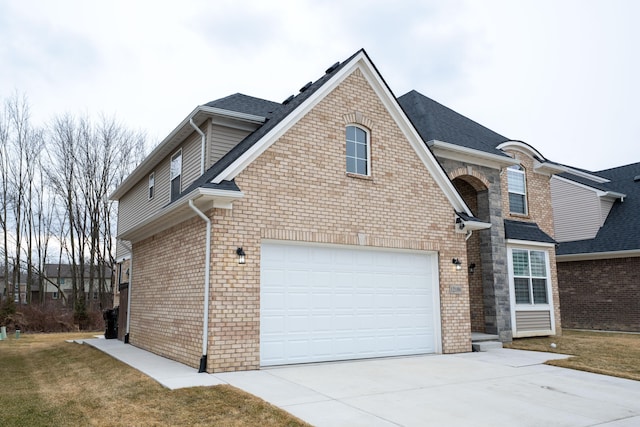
x,y
472,267
457,263
241,255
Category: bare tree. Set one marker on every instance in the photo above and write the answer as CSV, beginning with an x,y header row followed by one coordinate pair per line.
x,y
4,193
87,161
55,184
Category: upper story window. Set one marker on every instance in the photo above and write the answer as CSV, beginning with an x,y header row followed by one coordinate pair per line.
x,y
530,277
517,190
358,159
175,173
152,183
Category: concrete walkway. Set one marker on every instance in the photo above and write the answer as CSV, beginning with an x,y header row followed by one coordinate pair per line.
x,y
496,388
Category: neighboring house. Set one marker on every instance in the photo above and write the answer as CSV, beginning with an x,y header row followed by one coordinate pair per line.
x,y
59,279
324,228
19,291
599,247
513,286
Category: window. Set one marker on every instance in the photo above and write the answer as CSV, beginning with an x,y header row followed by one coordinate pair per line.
x,y
517,190
95,295
175,172
60,281
357,151
55,295
152,182
530,276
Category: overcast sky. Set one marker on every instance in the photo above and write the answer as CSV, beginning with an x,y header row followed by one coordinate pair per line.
x,y
562,76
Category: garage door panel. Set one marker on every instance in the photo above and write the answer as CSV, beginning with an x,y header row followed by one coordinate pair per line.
x,y
332,303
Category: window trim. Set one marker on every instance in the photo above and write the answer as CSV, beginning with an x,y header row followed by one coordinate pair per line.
x,y
152,183
530,308
530,276
177,154
367,133
519,170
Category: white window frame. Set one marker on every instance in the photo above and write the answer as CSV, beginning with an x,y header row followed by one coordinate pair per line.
x,y
367,134
55,295
517,169
173,173
532,246
152,183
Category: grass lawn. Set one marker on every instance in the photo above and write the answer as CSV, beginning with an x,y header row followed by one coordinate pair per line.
x,y
605,353
48,382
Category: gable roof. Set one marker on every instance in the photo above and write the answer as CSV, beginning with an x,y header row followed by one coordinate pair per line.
x,y
217,184
620,234
294,108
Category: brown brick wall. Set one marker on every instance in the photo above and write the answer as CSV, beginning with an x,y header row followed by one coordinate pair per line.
x,y
167,292
297,190
600,294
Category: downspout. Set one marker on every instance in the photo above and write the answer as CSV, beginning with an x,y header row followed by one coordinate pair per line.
x,y
205,320
202,146
128,246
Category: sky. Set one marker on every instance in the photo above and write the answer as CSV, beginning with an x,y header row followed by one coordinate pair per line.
x,y
560,75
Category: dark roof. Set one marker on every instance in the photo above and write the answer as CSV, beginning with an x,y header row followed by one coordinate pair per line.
x,y
621,229
246,104
278,115
528,231
64,270
434,121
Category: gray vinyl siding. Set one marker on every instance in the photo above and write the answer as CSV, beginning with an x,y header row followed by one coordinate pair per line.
x,y
190,160
577,211
605,208
222,140
135,206
531,321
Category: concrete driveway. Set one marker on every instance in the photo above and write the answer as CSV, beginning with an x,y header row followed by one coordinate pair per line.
x,y
495,388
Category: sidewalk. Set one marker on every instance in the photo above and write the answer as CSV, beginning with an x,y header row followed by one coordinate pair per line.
x,y
170,374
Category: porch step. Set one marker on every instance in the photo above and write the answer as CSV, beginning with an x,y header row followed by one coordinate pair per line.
x,y
484,342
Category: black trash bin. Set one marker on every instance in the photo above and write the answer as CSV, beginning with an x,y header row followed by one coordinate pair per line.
x,y
111,323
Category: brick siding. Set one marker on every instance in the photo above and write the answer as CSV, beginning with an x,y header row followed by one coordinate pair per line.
x,y
296,190
600,294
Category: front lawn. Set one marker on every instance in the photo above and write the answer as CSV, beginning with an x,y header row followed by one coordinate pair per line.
x,y
608,353
48,382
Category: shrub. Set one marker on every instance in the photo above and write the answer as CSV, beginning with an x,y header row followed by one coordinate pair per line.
x,y
50,318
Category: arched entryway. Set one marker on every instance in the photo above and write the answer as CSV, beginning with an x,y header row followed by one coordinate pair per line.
x,y
475,194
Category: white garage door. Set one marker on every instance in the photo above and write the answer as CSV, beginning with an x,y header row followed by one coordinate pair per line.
x,y
321,303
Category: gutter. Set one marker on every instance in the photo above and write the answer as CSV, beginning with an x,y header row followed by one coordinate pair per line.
x,y
461,150
629,253
202,145
207,274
